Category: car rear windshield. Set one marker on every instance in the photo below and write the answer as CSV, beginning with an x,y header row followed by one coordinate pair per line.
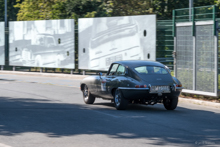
x,y
151,70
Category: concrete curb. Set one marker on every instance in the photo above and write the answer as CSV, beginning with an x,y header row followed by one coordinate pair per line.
x,y
200,102
59,75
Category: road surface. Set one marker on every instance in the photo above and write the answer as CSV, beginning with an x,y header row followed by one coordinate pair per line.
x,y
50,112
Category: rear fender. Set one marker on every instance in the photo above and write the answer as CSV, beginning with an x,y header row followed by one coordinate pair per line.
x,y
113,91
177,81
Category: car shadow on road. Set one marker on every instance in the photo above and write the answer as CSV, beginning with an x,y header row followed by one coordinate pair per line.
x,y
137,107
56,119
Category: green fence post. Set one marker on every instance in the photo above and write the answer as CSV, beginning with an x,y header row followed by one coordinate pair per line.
x,y
174,22
214,18
193,21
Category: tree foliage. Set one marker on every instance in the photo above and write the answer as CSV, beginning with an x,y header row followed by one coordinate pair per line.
x,y
129,7
56,9
12,11
40,9
85,8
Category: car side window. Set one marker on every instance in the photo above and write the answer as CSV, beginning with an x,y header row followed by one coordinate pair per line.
x,y
120,70
113,69
141,69
151,70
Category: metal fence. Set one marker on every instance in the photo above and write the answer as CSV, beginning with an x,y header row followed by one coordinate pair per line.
x,y
165,42
196,13
205,58
184,59
197,51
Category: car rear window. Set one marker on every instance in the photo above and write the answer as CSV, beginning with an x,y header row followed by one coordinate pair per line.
x,y
151,70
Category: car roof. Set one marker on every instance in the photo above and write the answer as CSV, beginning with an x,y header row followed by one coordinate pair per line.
x,y
137,63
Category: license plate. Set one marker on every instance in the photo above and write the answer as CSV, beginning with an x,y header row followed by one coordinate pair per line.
x,y
160,89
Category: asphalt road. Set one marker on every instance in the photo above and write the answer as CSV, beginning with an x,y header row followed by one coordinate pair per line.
x,y
50,112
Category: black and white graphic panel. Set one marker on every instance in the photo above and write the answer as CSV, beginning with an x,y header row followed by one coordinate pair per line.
x,y
43,43
108,39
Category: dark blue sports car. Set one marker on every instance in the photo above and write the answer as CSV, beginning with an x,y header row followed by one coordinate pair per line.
x,y
143,82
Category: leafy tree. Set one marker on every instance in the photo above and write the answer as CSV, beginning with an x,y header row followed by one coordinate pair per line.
x,y
129,7
163,8
85,8
55,9
12,12
2,9
40,9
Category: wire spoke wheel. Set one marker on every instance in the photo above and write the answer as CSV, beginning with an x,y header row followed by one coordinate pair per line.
x,y
120,102
85,92
87,96
117,98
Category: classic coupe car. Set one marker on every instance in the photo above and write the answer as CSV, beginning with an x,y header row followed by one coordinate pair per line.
x,y
143,82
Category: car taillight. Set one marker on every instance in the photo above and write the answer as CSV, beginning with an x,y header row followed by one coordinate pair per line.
x,y
103,81
140,86
179,85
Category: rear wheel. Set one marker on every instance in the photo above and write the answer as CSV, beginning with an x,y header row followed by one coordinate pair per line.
x,y
119,101
170,103
87,96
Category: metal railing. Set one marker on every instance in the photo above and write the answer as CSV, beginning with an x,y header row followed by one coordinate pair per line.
x,y
165,43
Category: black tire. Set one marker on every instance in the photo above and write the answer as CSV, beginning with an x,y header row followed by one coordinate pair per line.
x,y
170,103
87,96
119,101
